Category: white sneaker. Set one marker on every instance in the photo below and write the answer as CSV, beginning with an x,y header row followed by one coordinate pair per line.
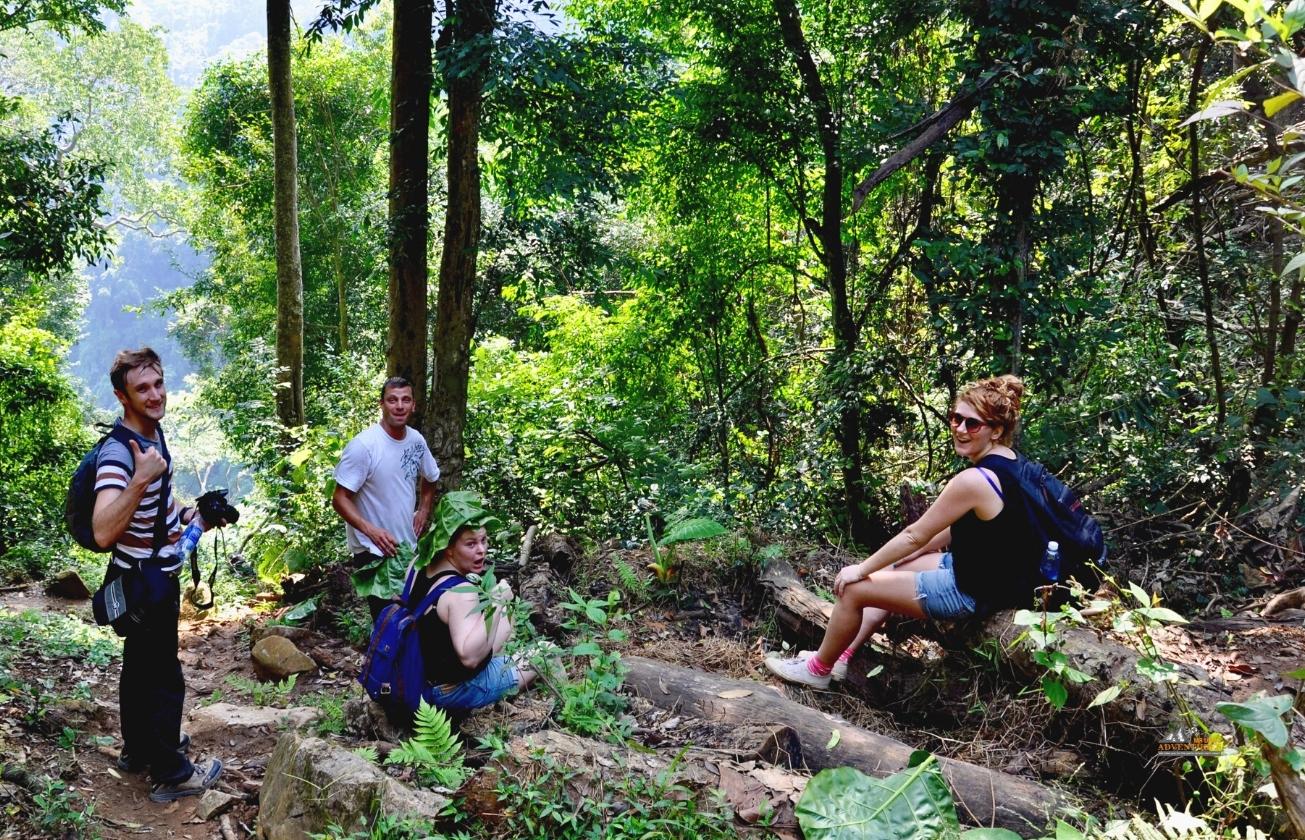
x,y
795,670
840,667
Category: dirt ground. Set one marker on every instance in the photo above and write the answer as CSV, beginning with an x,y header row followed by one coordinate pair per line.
x,y
712,630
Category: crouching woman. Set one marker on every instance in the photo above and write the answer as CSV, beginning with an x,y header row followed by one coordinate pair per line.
x,y
462,644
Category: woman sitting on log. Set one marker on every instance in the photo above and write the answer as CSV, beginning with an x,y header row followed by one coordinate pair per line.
x,y
972,552
461,644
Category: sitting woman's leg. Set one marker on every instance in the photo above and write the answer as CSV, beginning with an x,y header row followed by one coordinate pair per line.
x,y
885,592
499,676
888,591
872,618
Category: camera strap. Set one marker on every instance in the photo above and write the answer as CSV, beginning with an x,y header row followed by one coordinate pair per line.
x,y
213,575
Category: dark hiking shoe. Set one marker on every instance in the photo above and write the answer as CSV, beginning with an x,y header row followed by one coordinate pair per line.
x,y
206,773
129,764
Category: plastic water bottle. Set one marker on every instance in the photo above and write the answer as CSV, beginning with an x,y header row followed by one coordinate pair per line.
x,y
190,537
1051,562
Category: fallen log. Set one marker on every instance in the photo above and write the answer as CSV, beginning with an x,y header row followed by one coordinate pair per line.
x,y
1246,622
597,771
1293,599
983,797
1145,711
797,608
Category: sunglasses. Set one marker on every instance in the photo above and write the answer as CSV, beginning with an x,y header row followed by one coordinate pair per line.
x,y
966,424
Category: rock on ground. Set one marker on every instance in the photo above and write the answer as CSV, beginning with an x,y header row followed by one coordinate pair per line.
x,y
222,719
68,584
276,657
312,783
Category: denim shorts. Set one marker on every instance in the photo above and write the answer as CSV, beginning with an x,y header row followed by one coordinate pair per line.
x,y
497,678
937,593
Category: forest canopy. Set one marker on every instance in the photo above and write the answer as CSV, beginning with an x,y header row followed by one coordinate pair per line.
x,y
732,259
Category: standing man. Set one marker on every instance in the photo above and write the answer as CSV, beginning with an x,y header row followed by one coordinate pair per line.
x,y
136,513
376,487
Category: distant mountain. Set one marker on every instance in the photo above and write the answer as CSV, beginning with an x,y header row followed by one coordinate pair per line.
x,y
201,31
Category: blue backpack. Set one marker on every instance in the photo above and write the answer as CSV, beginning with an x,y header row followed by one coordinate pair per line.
x,y
1055,513
393,673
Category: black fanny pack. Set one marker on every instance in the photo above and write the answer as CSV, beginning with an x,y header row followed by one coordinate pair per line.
x,y
128,600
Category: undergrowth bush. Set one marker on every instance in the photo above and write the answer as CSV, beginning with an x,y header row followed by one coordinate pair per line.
x,y
42,437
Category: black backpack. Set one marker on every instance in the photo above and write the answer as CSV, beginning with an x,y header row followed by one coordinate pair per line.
x,y
79,504
1055,513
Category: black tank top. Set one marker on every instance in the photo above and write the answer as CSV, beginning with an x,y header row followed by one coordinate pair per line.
x,y
996,561
439,660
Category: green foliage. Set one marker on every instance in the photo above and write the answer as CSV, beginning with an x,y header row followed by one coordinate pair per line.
x,y
64,812
455,509
386,827
433,749
64,16
1262,717
633,807
634,587
844,803
1133,624
49,635
384,577
116,106
331,705
263,693
41,441
48,207
688,530
592,704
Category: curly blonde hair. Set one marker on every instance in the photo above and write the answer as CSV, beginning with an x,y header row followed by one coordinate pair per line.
x,y
997,400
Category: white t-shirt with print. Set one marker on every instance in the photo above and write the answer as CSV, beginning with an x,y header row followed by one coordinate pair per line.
x,y
382,473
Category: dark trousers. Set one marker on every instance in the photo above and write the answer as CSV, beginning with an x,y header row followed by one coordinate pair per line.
x,y
152,688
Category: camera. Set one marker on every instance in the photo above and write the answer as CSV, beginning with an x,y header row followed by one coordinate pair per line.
x,y
215,508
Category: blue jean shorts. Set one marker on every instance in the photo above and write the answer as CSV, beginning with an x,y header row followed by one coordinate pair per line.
x,y
937,593
497,678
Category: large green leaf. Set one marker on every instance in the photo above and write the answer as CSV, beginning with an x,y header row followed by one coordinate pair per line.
x,y
1262,715
455,509
845,804
692,529
384,578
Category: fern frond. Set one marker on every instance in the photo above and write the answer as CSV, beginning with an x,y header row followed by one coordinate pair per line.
x,y
433,732
634,586
432,749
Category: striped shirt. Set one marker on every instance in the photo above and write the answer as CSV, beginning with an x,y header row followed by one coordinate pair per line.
x,y
113,470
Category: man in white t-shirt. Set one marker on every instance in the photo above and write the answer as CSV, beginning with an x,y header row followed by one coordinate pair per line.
x,y
376,482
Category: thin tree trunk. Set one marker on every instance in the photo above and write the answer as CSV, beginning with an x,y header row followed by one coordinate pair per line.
x,y
829,232
289,270
411,78
1139,203
341,300
472,24
1291,323
1198,237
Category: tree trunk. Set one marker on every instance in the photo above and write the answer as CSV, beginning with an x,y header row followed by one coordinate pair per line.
x,y
411,78
1198,237
829,233
289,270
1015,194
471,26
983,797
